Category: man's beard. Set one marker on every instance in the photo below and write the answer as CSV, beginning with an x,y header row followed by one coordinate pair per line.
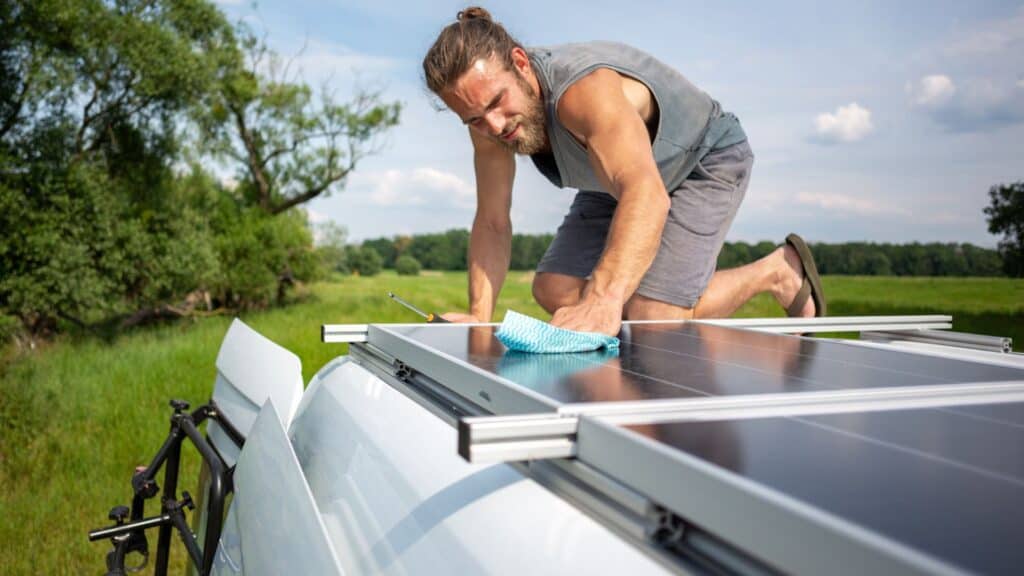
x,y
531,138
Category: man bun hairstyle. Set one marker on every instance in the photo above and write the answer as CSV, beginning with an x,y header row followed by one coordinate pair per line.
x,y
474,35
472,13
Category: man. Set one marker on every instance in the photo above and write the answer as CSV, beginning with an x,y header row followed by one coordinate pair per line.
x,y
660,168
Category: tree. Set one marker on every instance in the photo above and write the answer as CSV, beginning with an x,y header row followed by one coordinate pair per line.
x,y
457,242
330,245
108,218
364,261
877,264
431,250
734,254
407,266
385,248
527,250
261,256
1005,214
982,262
95,225
290,145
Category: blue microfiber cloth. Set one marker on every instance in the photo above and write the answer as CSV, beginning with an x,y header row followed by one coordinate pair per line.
x,y
525,334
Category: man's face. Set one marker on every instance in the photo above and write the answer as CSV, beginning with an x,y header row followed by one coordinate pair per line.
x,y
500,104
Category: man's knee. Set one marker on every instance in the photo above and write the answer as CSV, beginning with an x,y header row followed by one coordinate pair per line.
x,y
643,308
554,291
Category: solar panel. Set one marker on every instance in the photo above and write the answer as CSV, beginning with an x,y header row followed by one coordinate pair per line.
x,y
1012,414
943,482
673,361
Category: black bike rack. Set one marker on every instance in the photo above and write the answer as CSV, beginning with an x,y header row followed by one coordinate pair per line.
x,y
131,536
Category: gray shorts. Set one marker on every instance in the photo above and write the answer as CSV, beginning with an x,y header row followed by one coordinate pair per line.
x,y
702,210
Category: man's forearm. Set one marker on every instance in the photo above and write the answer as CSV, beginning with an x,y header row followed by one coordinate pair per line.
x,y
489,252
632,244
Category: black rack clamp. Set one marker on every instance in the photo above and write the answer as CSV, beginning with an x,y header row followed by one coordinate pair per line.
x,y
128,537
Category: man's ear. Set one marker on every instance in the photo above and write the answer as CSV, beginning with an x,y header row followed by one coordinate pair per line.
x,y
520,60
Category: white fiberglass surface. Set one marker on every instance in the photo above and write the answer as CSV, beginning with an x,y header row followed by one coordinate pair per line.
x,y
279,526
250,369
397,499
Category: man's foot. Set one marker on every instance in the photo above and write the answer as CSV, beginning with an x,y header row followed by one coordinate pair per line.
x,y
800,271
790,277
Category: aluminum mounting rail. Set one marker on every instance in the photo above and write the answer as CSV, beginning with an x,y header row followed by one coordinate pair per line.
x,y
837,323
334,333
945,338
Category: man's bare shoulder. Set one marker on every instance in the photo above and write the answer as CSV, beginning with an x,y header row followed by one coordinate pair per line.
x,y
589,92
594,100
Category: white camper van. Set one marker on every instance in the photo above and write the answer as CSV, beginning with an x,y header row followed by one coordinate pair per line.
x,y
718,447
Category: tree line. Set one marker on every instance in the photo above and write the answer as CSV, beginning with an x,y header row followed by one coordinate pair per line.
x,y
871,259
447,251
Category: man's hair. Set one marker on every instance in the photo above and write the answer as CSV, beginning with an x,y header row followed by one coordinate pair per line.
x,y
472,37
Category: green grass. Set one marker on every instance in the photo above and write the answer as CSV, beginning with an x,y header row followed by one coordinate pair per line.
x,y
77,415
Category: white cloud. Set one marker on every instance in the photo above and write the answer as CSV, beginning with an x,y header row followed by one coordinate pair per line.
x,y
1020,83
933,90
849,123
977,104
385,188
445,182
986,58
396,188
848,204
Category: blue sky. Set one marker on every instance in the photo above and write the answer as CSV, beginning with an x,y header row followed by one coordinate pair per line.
x,y
878,121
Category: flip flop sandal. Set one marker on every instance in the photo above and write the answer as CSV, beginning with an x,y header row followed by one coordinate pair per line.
x,y
811,287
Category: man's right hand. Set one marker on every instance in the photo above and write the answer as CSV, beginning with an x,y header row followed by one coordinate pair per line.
x,y
461,318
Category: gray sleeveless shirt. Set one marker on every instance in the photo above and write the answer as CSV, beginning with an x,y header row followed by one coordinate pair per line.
x,y
690,123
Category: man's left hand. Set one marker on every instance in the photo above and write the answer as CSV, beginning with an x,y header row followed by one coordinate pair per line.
x,y
590,315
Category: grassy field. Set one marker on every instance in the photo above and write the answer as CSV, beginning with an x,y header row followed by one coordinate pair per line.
x,y
77,415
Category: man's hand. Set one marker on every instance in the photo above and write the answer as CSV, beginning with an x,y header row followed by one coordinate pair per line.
x,y
592,314
461,318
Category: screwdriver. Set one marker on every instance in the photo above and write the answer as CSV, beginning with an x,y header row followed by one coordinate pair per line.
x,y
431,318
